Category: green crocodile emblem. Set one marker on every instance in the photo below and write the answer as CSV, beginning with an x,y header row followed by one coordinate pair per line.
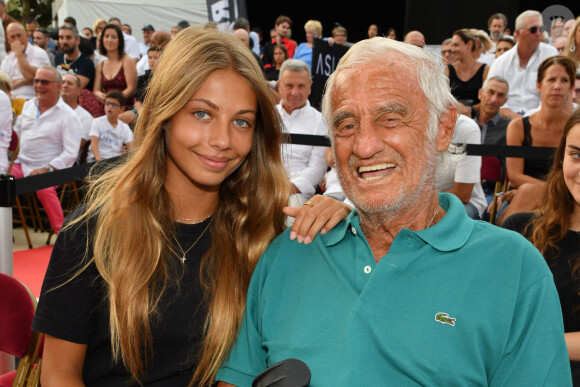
x,y
445,319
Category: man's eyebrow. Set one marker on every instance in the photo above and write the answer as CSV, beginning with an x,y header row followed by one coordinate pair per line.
x,y
391,107
340,116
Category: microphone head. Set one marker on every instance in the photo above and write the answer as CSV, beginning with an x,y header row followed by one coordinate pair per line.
x,y
287,373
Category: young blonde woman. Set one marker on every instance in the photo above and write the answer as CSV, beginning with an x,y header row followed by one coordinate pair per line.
x,y
147,282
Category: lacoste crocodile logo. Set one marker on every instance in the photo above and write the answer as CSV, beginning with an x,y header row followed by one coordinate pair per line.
x,y
444,318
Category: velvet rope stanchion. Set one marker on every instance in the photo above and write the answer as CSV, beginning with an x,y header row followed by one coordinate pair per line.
x,y
6,203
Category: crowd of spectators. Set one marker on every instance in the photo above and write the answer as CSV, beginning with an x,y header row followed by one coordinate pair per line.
x,y
76,98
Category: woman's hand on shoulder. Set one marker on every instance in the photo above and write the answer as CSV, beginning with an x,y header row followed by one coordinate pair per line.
x,y
322,215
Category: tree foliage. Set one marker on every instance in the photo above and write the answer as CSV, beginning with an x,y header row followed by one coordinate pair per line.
x,y
23,9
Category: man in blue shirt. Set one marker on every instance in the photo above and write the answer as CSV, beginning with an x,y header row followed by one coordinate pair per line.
x,y
408,290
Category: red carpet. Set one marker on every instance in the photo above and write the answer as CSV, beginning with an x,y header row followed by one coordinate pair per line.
x,y
30,267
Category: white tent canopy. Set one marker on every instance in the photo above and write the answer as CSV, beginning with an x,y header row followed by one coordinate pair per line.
x,y
161,14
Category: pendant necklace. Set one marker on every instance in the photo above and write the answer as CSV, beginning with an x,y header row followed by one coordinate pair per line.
x,y
194,243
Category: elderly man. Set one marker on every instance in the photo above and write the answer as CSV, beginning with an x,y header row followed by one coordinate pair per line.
x,y
493,95
408,290
305,164
519,66
71,60
71,90
22,62
49,134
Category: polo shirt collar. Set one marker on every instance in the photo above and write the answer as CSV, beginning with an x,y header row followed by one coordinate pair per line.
x,y
450,233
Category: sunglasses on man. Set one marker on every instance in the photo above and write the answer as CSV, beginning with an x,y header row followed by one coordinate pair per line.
x,y
43,82
535,29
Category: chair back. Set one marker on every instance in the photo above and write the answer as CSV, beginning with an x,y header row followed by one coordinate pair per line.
x,y
17,307
490,168
13,148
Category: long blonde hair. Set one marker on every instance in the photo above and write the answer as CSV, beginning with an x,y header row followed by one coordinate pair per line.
x,y
574,55
133,256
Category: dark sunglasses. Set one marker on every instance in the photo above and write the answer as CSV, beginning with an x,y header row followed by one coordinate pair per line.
x,y
535,29
43,82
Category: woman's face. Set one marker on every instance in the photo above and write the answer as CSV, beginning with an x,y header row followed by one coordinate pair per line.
x,y
460,48
209,137
571,163
110,40
577,37
100,27
310,35
373,31
279,56
556,86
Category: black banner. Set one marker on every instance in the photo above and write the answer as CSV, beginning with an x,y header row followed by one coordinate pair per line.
x,y
225,12
324,60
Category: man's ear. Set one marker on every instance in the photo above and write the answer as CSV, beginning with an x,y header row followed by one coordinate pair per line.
x,y
445,129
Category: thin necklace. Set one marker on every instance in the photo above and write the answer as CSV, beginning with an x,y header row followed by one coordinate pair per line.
x,y
433,218
192,220
194,243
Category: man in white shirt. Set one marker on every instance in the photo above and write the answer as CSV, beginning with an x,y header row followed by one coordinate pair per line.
x,y
71,90
519,66
49,134
148,31
22,62
462,176
306,165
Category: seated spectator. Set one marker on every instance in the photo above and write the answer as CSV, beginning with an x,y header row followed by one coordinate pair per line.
x,y
502,46
496,25
71,60
372,31
447,52
560,44
131,48
313,29
543,128
127,29
49,134
568,27
244,37
462,177
339,36
280,55
554,228
22,62
415,38
41,38
98,26
148,31
466,75
572,49
483,47
520,65
160,38
254,38
153,55
391,34
281,26
108,134
70,93
117,72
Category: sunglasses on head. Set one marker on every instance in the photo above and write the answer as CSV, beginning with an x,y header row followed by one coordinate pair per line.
x,y
43,82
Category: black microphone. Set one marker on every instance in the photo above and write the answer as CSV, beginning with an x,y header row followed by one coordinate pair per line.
x,y
287,373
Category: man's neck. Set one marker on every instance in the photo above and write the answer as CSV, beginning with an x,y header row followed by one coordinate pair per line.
x,y
485,116
42,107
525,53
75,54
381,229
73,103
279,38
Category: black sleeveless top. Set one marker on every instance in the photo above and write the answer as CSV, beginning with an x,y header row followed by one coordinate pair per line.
x,y
466,92
538,168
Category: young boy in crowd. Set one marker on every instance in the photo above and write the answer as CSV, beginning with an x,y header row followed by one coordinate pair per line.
x,y
108,133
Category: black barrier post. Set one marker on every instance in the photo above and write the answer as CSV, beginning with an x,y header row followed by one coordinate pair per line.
x,y
6,203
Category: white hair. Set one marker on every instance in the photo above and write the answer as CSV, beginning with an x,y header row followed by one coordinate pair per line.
x,y
522,16
430,75
295,65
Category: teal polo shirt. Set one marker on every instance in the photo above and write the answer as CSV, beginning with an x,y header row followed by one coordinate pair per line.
x,y
460,303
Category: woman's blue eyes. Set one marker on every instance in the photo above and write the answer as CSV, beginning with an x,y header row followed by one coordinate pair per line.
x,y
202,115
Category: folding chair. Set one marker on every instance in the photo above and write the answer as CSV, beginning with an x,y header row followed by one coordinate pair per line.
x,y
17,307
